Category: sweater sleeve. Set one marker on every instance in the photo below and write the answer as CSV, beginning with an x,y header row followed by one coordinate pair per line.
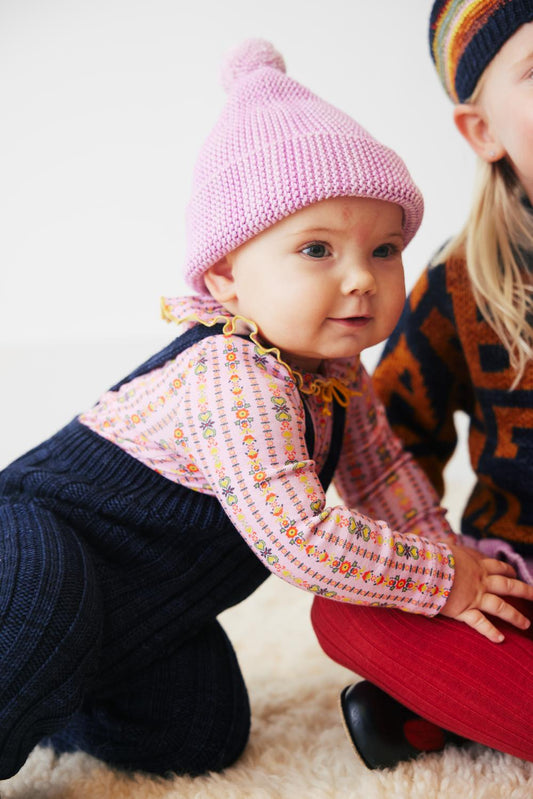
x,y
422,377
244,431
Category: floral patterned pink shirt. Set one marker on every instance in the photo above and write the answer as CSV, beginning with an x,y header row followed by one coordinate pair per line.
x,y
226,418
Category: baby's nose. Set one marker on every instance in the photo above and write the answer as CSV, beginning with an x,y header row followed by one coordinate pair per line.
x,y
359,279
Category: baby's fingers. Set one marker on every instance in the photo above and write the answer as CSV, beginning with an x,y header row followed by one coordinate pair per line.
x,y
495,566
496,606
506,586
475,619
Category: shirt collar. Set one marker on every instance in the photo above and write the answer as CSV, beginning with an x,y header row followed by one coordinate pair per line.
x,y
339,374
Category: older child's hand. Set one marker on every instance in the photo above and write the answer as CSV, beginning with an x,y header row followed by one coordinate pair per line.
x,y
478,588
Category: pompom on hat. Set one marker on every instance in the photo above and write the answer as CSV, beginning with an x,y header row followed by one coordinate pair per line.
x,y
277,148
465,35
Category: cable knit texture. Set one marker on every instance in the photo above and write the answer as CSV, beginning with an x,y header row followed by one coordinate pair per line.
x,y
277,148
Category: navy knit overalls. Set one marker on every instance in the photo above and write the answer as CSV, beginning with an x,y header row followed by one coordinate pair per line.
x,y
111,579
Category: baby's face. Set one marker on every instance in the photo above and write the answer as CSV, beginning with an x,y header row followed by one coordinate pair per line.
x,y
325,282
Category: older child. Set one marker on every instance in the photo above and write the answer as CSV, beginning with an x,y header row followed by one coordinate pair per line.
x,y
464,342
175,496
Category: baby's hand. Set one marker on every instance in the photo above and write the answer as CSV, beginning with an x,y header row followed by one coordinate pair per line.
x,y
478,587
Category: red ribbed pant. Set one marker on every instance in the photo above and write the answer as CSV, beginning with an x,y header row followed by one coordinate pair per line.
x,y
441,669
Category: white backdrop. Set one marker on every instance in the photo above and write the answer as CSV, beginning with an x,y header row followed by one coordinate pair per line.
x,y
104,104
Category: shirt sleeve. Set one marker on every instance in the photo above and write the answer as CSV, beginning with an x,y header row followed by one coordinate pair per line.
x,y
376,475
423,378
245,431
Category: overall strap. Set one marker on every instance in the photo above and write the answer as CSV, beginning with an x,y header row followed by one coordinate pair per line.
x,y
337,433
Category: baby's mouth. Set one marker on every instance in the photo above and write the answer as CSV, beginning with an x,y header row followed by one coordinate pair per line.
x,y
352,321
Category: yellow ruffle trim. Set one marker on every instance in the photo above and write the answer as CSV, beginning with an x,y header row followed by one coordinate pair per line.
x,y
326,388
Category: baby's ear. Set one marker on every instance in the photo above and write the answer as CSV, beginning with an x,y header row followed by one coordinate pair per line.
x,y
472,123
219,281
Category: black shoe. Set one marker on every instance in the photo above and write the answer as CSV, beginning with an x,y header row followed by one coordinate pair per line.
x,y
384,732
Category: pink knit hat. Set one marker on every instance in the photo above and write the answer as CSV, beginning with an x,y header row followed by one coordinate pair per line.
x,y
276,148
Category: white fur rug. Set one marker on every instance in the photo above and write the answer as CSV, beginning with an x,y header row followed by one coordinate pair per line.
x,y
298,747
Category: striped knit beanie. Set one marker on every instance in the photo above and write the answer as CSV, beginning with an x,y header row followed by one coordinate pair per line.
x,y
275,149
465,35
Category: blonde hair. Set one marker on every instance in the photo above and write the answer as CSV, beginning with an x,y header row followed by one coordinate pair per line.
x,y
495,241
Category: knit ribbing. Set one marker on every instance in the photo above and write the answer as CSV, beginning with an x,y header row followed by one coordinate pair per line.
x,y
439,668
189,713
111,580
51,628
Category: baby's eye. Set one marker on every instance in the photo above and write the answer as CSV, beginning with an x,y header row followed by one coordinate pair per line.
x,y
385,251
316,250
